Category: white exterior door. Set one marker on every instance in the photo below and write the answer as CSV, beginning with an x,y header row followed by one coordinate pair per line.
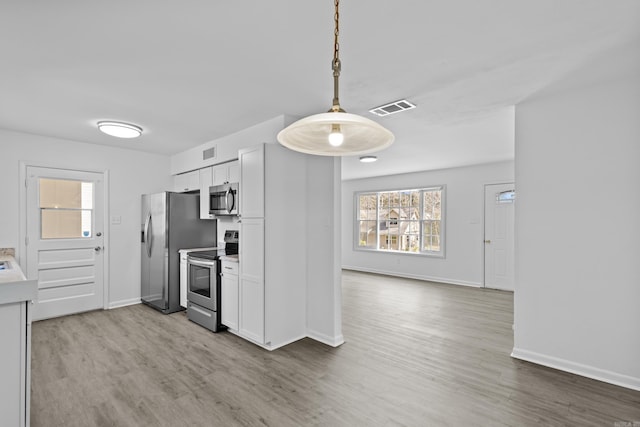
x,y
499,244
65,218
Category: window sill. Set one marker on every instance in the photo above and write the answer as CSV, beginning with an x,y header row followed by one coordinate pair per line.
x,y
391,252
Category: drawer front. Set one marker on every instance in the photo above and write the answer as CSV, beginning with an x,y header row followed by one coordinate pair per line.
x,y
202,316
229,267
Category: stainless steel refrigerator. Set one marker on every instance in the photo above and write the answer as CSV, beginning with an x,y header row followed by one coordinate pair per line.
x,y
170,221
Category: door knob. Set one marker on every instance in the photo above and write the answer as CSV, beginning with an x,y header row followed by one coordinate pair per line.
x,y
97,249
98,234
487,241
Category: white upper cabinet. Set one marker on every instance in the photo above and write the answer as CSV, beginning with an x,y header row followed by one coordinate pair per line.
x,y
226,172
252,182
205,183
188,181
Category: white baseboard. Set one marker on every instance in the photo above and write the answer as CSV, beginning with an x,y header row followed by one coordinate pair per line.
x,y
282,344
414,276
578,369
124,303
326,339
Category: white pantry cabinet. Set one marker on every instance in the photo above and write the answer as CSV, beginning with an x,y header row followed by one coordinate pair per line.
x,y
272,294
252,182
229,302
226,172
188,181
251,294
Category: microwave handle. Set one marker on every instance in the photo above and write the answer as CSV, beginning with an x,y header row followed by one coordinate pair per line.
x,y
233,199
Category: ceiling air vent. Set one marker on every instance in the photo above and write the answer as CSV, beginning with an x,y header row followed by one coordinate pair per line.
x,y
392,108
209,153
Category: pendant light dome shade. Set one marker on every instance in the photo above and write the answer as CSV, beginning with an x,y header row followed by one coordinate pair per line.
x,y
336,133
310,135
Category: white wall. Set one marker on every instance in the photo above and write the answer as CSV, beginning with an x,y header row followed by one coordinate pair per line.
x,y
577,296
324,277
464,204
132,173
227,147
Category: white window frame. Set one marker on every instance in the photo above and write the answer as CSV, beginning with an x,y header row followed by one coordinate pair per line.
x,y
356,222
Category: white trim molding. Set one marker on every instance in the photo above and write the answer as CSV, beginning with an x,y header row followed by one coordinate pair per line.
x,y
577,368
326,339
415,276
124,303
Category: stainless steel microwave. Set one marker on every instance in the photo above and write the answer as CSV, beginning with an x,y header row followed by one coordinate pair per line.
x,y
223,199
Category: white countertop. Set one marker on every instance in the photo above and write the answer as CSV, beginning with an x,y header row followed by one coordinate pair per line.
x,y
230,258
14,286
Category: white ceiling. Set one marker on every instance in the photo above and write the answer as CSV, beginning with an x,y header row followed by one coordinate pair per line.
x,y
195,70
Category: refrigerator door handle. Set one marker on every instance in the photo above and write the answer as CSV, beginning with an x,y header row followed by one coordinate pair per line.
x,y
147,236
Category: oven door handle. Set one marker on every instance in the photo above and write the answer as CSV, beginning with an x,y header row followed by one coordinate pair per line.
x,y
207,264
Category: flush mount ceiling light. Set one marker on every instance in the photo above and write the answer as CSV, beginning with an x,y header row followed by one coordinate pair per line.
x,y
335,133
120,130
368,159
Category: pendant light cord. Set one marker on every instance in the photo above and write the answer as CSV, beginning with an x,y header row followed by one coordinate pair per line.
x,y
336,65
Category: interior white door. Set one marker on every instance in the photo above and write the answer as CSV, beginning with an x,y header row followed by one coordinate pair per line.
x,y
65,235
499,243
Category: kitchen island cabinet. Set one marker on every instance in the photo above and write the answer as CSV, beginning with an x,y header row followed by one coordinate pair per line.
x,y
16,294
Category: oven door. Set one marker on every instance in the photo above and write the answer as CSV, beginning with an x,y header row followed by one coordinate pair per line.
x,y
202,282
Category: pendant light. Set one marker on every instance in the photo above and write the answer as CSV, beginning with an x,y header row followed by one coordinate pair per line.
x,y
336,132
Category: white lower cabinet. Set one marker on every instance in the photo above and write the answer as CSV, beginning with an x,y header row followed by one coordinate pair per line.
x,y
15,357
229,298
14,388
183,278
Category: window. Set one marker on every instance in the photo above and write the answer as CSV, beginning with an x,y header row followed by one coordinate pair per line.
x,y
404,221
66,208
506,197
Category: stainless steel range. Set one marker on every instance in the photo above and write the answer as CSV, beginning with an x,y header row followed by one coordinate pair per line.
x,y
204,283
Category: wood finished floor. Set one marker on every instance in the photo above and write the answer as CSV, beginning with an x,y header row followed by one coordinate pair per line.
x,y
416,354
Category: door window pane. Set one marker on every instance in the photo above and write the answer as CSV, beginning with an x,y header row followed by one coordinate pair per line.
x,y
66,208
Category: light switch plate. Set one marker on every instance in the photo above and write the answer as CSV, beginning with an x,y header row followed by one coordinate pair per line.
x,y
116,220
